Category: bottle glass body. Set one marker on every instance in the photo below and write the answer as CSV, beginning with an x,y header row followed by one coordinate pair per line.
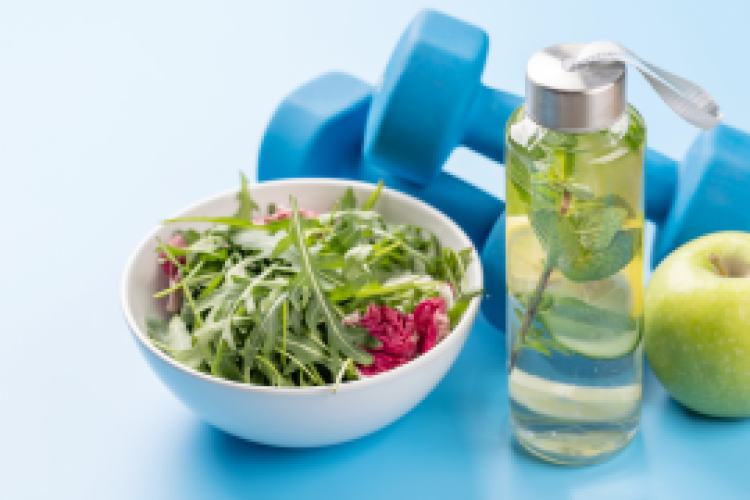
x,y
574,260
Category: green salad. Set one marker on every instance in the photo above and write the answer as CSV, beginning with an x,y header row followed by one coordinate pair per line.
x,y
296,298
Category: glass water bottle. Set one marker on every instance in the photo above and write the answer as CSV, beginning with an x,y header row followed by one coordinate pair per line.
x,y
574,250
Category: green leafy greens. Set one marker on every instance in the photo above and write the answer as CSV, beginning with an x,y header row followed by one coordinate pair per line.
x,y
264,303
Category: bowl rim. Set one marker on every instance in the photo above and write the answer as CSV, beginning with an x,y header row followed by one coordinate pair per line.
x,y
380,378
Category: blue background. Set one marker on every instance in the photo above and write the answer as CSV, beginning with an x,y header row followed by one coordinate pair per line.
x,y
115,114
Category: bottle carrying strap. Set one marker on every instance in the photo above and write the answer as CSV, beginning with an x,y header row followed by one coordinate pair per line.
x,y
686,98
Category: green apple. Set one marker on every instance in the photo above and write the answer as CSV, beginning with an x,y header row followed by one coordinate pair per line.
x,y
697,324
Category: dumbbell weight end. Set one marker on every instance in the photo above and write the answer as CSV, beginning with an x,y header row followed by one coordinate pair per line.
x,y
318,132
714,185
661,185
493,264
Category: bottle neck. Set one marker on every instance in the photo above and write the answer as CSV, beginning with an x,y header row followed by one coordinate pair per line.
x,y
619,126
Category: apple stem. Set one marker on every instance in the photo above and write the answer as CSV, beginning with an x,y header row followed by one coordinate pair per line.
x,y
717,264
565,205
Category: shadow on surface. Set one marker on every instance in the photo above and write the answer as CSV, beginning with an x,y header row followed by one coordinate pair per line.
x,y
695,453
217,465
680,411
614,479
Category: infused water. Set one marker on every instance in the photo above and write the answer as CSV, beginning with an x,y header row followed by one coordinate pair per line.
x,y
574,260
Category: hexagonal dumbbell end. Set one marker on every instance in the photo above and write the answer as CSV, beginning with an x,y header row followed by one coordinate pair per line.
x,y
317,131
431,100
714,186
493,264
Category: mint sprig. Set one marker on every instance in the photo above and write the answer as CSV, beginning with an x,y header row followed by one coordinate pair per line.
x,y
583,237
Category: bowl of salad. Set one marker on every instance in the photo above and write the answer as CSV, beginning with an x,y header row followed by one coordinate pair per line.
x,y
302,312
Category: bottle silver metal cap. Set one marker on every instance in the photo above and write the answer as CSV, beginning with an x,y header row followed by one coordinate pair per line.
x,y
587,99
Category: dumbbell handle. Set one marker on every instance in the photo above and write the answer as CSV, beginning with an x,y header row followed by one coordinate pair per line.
x,y
485,134
485,131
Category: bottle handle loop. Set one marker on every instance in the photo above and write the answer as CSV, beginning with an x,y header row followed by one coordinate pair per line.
x,y
686,98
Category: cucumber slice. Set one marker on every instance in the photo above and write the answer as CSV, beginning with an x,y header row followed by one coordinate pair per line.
x,y
573,402
590,331
614,293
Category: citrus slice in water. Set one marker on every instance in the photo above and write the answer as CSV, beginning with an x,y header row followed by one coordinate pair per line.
x,y
525,255
573,402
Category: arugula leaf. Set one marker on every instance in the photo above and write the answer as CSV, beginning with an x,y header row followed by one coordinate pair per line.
x,y
270,323
374,289
157,329
348,201
457,311
297,364
373,197
178,337
336,331
190,235
174,338
192,358
340,373
247,204
212,285
250,239
217,360
274,375
207,244
227,221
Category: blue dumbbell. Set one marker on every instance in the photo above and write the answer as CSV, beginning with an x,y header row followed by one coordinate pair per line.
x,y
431,100
317,132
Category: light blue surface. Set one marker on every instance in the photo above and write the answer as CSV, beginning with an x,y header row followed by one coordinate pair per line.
x,y
115,115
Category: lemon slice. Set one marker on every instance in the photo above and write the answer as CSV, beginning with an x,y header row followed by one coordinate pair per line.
x,y
613,293
573,402
525,255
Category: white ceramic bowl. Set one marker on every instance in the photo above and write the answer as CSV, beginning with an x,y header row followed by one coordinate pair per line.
x,y
310,416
